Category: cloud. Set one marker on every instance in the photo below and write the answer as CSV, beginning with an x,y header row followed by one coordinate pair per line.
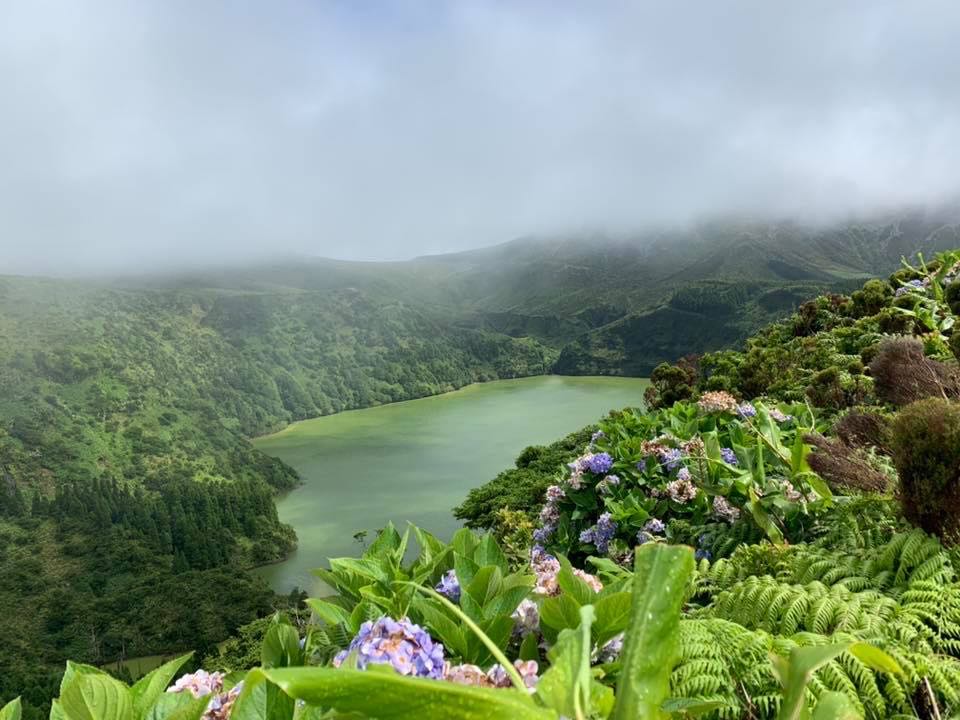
x,y
167,132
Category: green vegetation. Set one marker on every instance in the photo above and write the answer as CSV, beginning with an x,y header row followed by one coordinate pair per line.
x,y
131,502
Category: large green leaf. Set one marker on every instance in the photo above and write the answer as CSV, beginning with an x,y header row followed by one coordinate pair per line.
x,y
661,575
388,696
177,706
281,647
566,686
152,685
328,612
12,710
835,706
262,700
89,696
613,616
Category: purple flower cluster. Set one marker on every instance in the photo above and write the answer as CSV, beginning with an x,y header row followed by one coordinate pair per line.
x,y
449,586
655,526
670,459
600,534
910,287
598,435
728,456
526,618
403,645
549,515
199,684
600,463
642,466
746,410
611,649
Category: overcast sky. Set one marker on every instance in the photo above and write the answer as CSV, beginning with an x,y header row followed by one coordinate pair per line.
x,y
141,133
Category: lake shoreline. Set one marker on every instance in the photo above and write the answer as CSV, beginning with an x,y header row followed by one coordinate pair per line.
x,y
478,383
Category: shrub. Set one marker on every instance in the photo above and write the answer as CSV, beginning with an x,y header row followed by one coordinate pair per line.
x,y
861,429
843,466
871,299
926,450
902,374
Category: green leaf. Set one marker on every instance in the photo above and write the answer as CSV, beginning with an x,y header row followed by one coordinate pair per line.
x,y
90,696
817,483
506,602
560,612
691,707
763,519
835,706
464,542
488,552
388,696
449,632
573,586
152,685
12,710
567,686
485,585
875,658
613,616
177,706
661,575
281,647
262,700
795,672
328,612
387,541
530,647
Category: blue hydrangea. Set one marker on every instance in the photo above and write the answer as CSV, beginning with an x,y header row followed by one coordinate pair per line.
x,y
399,643
702,554
644,537
746,410
542,535
912,285
600,463
670,459
655,526
449,586
642,466
598,435
729,456
600,534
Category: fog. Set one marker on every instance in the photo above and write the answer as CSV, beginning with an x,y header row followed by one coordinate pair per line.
x,y
157,133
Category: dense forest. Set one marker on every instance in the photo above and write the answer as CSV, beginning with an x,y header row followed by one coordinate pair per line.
x,y
127,482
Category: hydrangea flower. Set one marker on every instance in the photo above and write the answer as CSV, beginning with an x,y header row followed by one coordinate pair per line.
x,y
545,567
199,684
702,554
221,705
642,466
717,401
746,410
644,537
526,618
600,463
555,494
449,586
549,514
655,526
592,580
910,287
611,649
408,648
600,534
495,677
723,508
794,495
670,459
778,415
542,535
729,456
682,490
694,446
598,435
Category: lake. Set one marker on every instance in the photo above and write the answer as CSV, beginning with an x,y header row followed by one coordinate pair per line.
x,y
416,460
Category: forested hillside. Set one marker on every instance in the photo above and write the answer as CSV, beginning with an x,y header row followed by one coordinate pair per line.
x,y
126,475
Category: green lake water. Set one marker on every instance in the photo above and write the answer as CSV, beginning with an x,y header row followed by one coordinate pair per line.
x,y
415,460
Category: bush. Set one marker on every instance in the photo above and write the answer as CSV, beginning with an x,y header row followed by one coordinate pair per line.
x,y
903,374
926,450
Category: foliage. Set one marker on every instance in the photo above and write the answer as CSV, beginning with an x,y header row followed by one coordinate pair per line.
x,y
926,449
